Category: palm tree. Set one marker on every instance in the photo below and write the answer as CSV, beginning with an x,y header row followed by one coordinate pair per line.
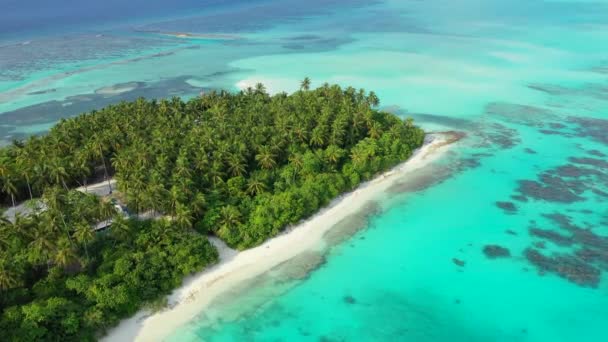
x,y
201,160
182,167
183,216
317,138
358,123
120,229
22,226
65,254
301,133
106,210
58,172
409,122
97,145
265,158
297,162
368,118
230,217
236,165
198,203
41,245
358,156
175,197
24,163
84,235
8,278
375,131
215,173
373,99
305,85
55,199
260,89
333,154
9,187
255,186
81,165
395,131
5,232
154,195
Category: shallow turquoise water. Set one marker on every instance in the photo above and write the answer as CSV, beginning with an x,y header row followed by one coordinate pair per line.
x,y
526,80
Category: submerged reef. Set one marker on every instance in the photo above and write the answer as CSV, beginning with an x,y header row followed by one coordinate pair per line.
x,y
349,299
458,262
592,128
501,136
567,183
508,207
496,251
552,236
566,266
586,259
519,114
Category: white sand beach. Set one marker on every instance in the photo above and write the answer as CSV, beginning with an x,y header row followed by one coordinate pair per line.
x,y
235,267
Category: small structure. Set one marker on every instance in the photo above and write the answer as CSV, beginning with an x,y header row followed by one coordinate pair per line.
x,y
122,210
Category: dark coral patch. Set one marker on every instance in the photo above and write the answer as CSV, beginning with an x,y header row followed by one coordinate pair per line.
x,y
582,236
557,125
599,163
520,198
597,153
600,193
496,251
592,128
502,136
573,171
435,174
567,183
584,265
553,132
548,192
549,88
571,268
593,256
574,184
552,236
520,114
458,262
508,207
349,299
563,221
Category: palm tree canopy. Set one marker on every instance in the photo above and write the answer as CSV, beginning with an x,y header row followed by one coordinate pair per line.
x,y
242,166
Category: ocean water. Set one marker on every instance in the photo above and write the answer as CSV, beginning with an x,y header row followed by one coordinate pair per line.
x,y
527,81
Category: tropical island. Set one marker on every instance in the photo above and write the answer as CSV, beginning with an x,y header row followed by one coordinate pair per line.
x,y
240,167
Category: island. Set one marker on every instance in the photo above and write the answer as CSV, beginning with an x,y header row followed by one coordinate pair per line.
x,y
240,167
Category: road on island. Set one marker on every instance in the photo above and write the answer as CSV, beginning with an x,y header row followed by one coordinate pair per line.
x,y
100,189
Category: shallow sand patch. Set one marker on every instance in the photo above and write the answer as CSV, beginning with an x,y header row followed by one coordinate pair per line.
x,y
118,88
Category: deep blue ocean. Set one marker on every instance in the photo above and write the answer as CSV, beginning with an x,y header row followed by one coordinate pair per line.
x,y
32,18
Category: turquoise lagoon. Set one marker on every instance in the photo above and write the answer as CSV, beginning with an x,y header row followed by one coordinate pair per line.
x,y
527,81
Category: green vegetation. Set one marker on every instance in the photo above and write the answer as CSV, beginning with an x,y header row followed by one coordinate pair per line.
x,y
239,166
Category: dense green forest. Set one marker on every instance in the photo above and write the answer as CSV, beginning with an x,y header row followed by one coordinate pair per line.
x,y
238,166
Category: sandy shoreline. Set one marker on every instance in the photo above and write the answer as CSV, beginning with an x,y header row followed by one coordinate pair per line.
x,y
199,290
